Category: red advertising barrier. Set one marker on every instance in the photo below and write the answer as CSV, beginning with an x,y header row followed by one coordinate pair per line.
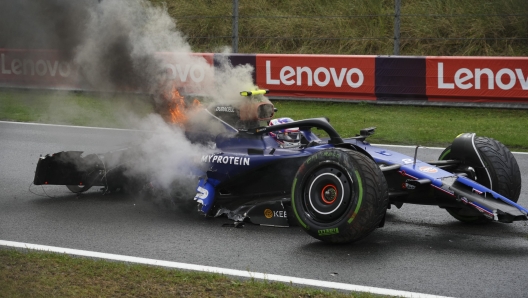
x,y
383,78
484,79
192,72
36,69
45,69
317,76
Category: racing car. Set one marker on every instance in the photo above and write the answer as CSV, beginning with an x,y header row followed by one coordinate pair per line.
x,y
336,189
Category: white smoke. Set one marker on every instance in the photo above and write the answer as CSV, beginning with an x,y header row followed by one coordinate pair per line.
x,y
122,43
165,154
117,44
129,35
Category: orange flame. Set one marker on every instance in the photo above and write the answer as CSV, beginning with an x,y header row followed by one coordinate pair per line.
x,y
177,107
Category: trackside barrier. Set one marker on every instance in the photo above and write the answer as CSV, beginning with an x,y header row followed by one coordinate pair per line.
x,y
46,69
477,81
189,72
329,76
43,69
485,79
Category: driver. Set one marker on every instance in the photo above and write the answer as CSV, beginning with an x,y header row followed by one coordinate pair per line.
x,y
287,138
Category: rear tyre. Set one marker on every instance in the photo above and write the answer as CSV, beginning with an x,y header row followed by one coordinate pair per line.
x,y
339,196
88,166
78,188
504,172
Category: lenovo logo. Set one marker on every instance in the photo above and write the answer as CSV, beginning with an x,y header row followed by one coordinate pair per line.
x,y
321,76
482,78
195,73
30,67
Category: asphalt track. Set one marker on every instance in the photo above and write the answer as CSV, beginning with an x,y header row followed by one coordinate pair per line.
x,y
420,249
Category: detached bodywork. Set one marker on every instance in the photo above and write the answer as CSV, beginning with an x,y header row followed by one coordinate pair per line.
x,y
337,189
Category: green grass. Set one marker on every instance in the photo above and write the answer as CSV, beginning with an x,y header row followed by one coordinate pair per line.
x,y
428,27
416,125
42,274
405,125
61,107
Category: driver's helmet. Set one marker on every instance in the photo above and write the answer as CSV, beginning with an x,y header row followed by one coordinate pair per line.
x,y
289,137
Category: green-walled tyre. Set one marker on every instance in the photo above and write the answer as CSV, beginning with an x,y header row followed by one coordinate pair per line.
x,y
339,195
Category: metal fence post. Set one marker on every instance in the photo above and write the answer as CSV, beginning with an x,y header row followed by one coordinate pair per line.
x,y
235,27
397,7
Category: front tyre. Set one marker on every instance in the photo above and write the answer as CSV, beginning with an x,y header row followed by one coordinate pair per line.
x,y
504,176
339,195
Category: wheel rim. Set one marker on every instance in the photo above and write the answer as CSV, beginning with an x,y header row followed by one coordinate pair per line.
x,y
326,194
329,194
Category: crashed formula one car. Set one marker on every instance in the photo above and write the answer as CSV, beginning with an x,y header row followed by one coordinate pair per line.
x,y
337,189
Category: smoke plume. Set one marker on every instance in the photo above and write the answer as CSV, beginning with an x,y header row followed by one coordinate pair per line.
x,y
116,45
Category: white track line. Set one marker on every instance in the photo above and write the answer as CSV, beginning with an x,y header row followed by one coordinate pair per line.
x,y
225,271
105,128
